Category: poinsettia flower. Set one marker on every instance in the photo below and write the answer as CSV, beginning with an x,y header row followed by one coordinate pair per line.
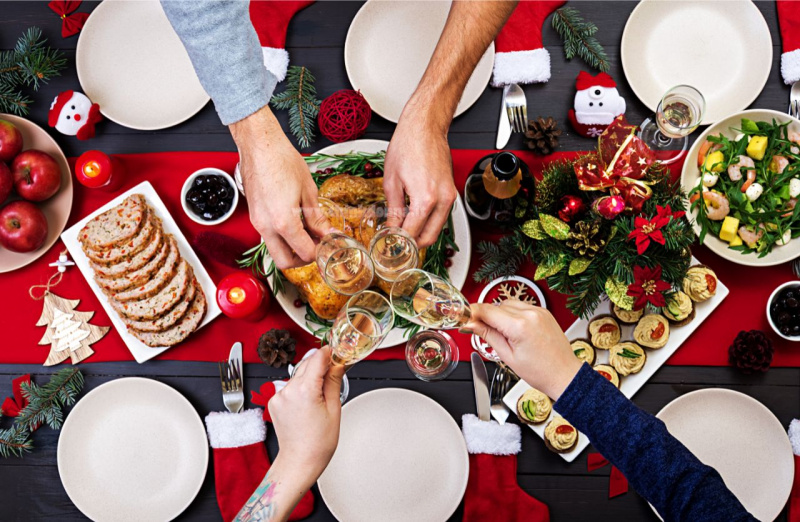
x,y
647,230
648,287
667,212
12,406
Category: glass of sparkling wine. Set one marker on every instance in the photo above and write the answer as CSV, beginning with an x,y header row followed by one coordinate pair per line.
x,y
342,261
431,355
391,249
428,300
678,114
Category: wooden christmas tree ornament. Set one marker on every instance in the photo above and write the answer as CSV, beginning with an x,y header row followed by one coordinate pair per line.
x,y
68,330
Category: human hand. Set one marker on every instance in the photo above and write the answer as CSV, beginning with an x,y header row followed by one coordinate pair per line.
x,y
306,415
418,163
279,190
529,340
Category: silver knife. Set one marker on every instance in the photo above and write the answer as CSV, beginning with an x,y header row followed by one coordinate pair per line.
x,y
504,126
236,354
480,379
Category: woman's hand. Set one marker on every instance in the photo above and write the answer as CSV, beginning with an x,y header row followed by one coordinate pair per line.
x,y
279,190
306,415
529,340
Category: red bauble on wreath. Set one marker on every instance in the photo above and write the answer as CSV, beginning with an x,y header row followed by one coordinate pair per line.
x,y
344,116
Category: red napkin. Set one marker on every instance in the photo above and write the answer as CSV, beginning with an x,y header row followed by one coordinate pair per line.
x,y
12,406
617,483
71,24
789,20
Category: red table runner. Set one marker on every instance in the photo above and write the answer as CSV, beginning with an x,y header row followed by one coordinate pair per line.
x,y
743,309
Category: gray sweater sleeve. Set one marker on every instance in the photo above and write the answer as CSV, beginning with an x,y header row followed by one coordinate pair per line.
x,y
225,52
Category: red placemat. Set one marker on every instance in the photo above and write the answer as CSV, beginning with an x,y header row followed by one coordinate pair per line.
x,y
743,309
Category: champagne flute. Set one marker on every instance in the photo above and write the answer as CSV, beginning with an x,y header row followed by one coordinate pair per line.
x,y
429,300
342,261
391,249
678,114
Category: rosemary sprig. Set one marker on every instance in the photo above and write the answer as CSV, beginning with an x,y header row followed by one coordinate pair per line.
x,y
353,163
254,260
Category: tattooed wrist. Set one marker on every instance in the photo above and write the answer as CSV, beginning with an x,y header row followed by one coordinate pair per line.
x,y
261,505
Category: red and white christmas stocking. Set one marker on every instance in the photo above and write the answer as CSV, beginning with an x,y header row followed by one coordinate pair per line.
x,y
520,56
271,18
492,489
789,20
241,461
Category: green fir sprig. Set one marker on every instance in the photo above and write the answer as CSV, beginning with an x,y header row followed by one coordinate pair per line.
x,y
579,40
300,98
30,64
45,406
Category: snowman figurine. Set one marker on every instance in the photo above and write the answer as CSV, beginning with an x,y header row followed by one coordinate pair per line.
x,y
73,114
597,103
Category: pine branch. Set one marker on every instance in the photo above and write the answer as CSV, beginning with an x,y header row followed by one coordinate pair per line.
x,y
47,401
579,40
499,259
300,98
15,441
31,63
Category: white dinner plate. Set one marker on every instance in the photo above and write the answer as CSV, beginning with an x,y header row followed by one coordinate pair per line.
x,y
388,47
401,458
740,438
131,63
132,449
458,271
721,47
691,173
140,351
629,384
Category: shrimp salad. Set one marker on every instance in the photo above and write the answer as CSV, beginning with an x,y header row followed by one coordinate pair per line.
x,y
748,187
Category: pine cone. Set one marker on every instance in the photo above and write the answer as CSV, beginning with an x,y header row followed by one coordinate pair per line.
x,y
276,348
751,352
542,135
585,238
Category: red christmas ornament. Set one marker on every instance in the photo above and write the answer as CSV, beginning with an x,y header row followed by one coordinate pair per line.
x,y
573,208
344,116
609,206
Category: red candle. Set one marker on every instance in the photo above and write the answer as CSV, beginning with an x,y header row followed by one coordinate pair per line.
x,y
95,169
241,296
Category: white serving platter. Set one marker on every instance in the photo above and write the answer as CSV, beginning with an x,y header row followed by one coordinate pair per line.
x,y
140,351
630,384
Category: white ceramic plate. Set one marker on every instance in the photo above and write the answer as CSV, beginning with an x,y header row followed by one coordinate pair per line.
x,y
141,352
458,271
132,449
740,438
388,47
721,47
401,457
131,63
56,209
630,384
691,173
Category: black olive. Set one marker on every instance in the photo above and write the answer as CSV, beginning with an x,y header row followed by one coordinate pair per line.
x,y
785,330
796,329
224,192
784,317
199,207
208,215
789,294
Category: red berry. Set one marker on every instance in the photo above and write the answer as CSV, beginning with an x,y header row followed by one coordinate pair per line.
x,y
328,171
378,173
447,232
449,252
448,263
346,173
368,167
298,303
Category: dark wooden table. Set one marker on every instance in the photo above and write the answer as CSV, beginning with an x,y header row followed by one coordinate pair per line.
x,y
30,487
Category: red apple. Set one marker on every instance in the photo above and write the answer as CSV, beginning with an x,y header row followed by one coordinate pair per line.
x,y
6,182
37,176
23,227
10,141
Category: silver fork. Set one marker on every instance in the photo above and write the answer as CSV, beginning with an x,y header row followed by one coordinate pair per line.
x,y
232,390
517,108
794,100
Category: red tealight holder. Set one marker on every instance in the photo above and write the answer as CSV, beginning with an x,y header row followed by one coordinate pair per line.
x,y
241,296
95,169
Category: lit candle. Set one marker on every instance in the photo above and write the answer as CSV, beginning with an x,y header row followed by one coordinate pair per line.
x,y
96,169
241,296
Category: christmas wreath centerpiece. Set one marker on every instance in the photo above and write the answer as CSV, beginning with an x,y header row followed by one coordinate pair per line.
x,y
610,223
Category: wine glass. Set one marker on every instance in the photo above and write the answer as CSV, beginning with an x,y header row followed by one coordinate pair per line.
x,y
342,261
431,355
429,300
391,249
678,114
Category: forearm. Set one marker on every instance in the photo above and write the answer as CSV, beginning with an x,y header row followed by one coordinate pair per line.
x,y
471,26
657,465
225,53
276,495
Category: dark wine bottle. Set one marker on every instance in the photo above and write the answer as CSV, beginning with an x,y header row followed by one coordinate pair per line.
x,y
491,187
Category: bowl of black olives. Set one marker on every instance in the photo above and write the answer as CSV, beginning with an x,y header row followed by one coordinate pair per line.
x,y
783,310
209,196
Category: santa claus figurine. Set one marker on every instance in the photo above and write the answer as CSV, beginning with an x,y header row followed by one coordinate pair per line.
x,y
597,103
73,114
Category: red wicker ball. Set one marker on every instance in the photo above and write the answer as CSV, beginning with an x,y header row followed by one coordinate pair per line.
x,y
344,116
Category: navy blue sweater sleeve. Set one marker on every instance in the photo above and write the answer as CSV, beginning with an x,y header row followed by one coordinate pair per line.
x,y
656,464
